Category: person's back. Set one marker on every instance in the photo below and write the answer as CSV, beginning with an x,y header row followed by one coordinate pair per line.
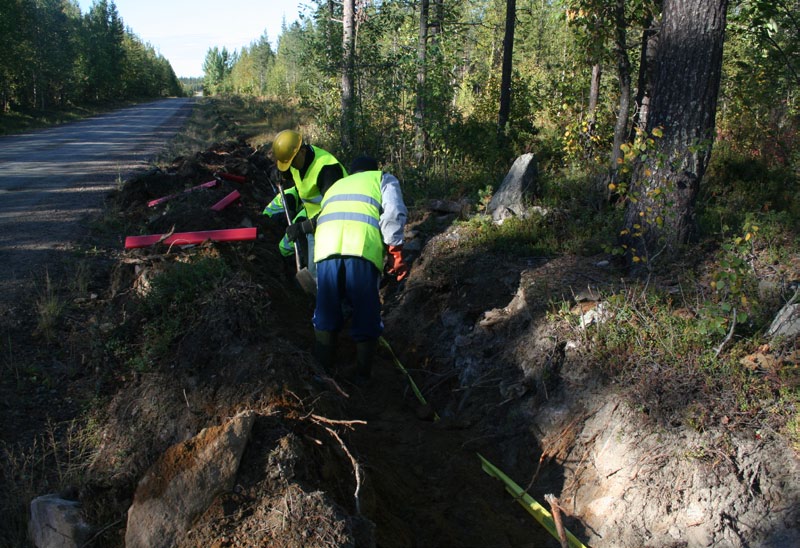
x,y
349,222
360,214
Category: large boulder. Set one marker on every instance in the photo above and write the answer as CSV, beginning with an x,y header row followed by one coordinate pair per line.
x,y
518,190
184,481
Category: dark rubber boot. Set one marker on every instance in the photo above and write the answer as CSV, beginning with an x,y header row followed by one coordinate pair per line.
x,y
325,349
365,352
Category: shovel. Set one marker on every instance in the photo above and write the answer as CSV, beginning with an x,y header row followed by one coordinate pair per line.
x,y
303,276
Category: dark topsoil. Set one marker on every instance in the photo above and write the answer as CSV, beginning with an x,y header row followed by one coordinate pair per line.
x,y
248,346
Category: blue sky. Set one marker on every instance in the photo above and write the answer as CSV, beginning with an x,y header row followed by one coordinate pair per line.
x,y
184,31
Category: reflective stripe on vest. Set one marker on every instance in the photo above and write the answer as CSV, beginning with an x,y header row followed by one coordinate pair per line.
x,y
286,247
342,216
349,222
307,186
355,198
272,208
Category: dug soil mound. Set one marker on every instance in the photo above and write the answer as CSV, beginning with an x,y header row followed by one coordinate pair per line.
x,y
329,463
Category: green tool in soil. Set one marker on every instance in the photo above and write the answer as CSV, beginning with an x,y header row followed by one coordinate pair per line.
x,y
414,387
535,509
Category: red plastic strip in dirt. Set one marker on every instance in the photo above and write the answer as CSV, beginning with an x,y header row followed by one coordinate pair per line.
x,y
157,201
185,238
231,177
226,201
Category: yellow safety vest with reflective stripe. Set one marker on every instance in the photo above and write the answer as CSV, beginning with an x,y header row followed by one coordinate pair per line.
x,y
349,224
307,186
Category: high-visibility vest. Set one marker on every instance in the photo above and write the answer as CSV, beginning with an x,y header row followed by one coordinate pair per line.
x,y
307,186
349,224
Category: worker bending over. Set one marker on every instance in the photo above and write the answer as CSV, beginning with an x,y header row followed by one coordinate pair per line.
x,y
359,214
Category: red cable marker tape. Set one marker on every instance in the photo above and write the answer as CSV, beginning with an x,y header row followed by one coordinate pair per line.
x,y
226,201
233,178
157,201
185,238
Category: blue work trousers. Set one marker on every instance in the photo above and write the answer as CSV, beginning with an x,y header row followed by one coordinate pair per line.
x,y
352,282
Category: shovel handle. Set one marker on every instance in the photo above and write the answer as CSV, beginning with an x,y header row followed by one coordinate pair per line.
x,y
289,220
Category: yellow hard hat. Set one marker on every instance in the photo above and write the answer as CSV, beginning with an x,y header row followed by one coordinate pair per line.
x,y
285,147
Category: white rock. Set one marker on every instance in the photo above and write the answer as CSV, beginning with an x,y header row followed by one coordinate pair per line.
x,y
57,523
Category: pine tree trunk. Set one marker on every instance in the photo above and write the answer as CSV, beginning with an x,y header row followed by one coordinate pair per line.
x,y
505,79
660,216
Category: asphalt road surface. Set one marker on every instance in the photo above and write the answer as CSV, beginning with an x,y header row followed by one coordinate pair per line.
x,y
51,180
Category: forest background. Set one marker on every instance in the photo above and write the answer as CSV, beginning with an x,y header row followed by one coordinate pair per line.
x,y
441,91
57,64
621,98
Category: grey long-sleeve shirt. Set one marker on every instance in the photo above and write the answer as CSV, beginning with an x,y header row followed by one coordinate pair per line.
x,y
393,210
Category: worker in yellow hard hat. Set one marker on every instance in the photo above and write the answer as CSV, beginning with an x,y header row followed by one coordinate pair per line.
x,y
313,171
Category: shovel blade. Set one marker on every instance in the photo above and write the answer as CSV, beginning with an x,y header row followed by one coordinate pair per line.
x,y
306,281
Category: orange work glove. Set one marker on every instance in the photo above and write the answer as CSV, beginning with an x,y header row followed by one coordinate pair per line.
x,y
397,266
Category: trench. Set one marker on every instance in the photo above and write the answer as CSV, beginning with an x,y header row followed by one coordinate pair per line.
x,y
423,483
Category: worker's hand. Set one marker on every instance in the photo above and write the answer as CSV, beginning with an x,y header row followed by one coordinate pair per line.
x,y
278,177
296,230
274,174
397,266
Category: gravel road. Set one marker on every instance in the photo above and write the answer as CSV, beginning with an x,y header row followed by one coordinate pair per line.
x,y
52,179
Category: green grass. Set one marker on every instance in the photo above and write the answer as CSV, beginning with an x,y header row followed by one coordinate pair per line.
x,y
219,119
736,186
49,308
673,373
182,283
685,368
56,459
171,306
